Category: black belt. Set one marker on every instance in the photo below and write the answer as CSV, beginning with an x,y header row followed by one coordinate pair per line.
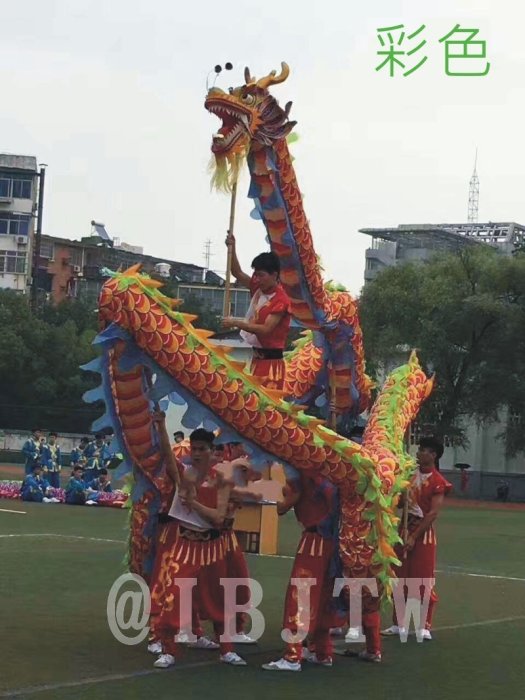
x,y
267,353
312,528
198,536
164,518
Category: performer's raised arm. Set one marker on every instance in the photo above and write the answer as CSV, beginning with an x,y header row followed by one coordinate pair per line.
x,y
159,419
237,271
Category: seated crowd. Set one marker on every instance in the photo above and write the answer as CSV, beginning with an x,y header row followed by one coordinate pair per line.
x,y
89,477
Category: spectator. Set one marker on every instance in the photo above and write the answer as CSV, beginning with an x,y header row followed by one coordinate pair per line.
x,y
31,450
35,488
93,453
77,453
178,436
101,483
76,488
52,460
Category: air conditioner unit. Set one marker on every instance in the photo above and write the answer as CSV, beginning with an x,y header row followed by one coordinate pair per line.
x,y
21,240
76,268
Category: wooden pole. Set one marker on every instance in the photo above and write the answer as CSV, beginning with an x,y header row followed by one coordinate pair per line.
x,y
227,286
333,412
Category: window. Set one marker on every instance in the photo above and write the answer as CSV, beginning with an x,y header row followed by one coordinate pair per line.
x,y
12,261
15,225
5,186
21,189
75,255
47,250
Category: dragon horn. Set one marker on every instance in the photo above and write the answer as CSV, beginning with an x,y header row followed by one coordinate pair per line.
x,y
247,77
273,79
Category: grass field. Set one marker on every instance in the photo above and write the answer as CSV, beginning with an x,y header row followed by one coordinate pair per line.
x,y
57,564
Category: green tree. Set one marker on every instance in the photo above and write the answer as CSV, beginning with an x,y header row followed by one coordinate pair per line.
x,y
39,367
465,315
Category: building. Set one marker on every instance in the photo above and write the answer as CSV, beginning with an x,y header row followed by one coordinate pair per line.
x,y
418,242
212,297
72,270
18,205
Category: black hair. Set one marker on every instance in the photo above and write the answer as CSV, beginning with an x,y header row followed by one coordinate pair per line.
x,y
103,471
54,434
36,430
178,432
220,448
202,435
434,444
99,436
235,444
85,439
267,262
37,465
78,466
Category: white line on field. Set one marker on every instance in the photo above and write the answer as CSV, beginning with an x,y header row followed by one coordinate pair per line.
x,y
67,537
6,510
33,690
452,571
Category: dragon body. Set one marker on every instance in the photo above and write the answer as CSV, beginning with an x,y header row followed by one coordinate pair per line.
x,y
146,334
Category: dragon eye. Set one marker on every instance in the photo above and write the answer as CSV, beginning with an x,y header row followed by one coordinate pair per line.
x,y
249,99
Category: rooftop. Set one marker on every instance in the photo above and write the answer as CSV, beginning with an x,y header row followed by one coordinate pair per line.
x,y
15,162
489,232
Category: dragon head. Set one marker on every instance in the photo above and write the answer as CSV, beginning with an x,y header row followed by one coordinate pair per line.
x,y
250,116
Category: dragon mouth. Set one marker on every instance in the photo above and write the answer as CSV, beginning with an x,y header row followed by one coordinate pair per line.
x,y
235,126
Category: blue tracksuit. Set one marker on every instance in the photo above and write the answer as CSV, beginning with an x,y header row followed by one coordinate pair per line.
x,y
33,488
52,461
31,450
76,492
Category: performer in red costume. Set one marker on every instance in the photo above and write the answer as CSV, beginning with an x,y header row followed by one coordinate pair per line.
x,y
196,552
316,505
268,319
426,494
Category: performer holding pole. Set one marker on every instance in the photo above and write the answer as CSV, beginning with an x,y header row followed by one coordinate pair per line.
x,y
267,322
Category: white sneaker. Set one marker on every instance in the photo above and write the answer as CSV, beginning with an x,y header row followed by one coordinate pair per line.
x,y
46,500
425,634
306,654
55,500
392,631
203,643
352,634
182,638
312,659
91,503
155,648
241,638
233,659
164,661
337,632
282,665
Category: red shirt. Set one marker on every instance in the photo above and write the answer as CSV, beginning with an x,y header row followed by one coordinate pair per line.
x,y
312,507
423,488
279,303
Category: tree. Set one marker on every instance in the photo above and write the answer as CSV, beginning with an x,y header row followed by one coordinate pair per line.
x,y
465,315
41,382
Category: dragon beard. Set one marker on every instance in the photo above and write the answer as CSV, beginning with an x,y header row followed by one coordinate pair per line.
x,y
225,169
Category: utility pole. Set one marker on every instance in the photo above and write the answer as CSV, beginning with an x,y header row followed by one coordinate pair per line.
x,y
473,195
38,240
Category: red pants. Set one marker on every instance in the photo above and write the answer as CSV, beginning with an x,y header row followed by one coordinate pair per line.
x,y
272,370
418,565
311,561
236,567
200,560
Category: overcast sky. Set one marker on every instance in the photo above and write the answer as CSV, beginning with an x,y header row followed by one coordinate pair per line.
x,y
110,95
